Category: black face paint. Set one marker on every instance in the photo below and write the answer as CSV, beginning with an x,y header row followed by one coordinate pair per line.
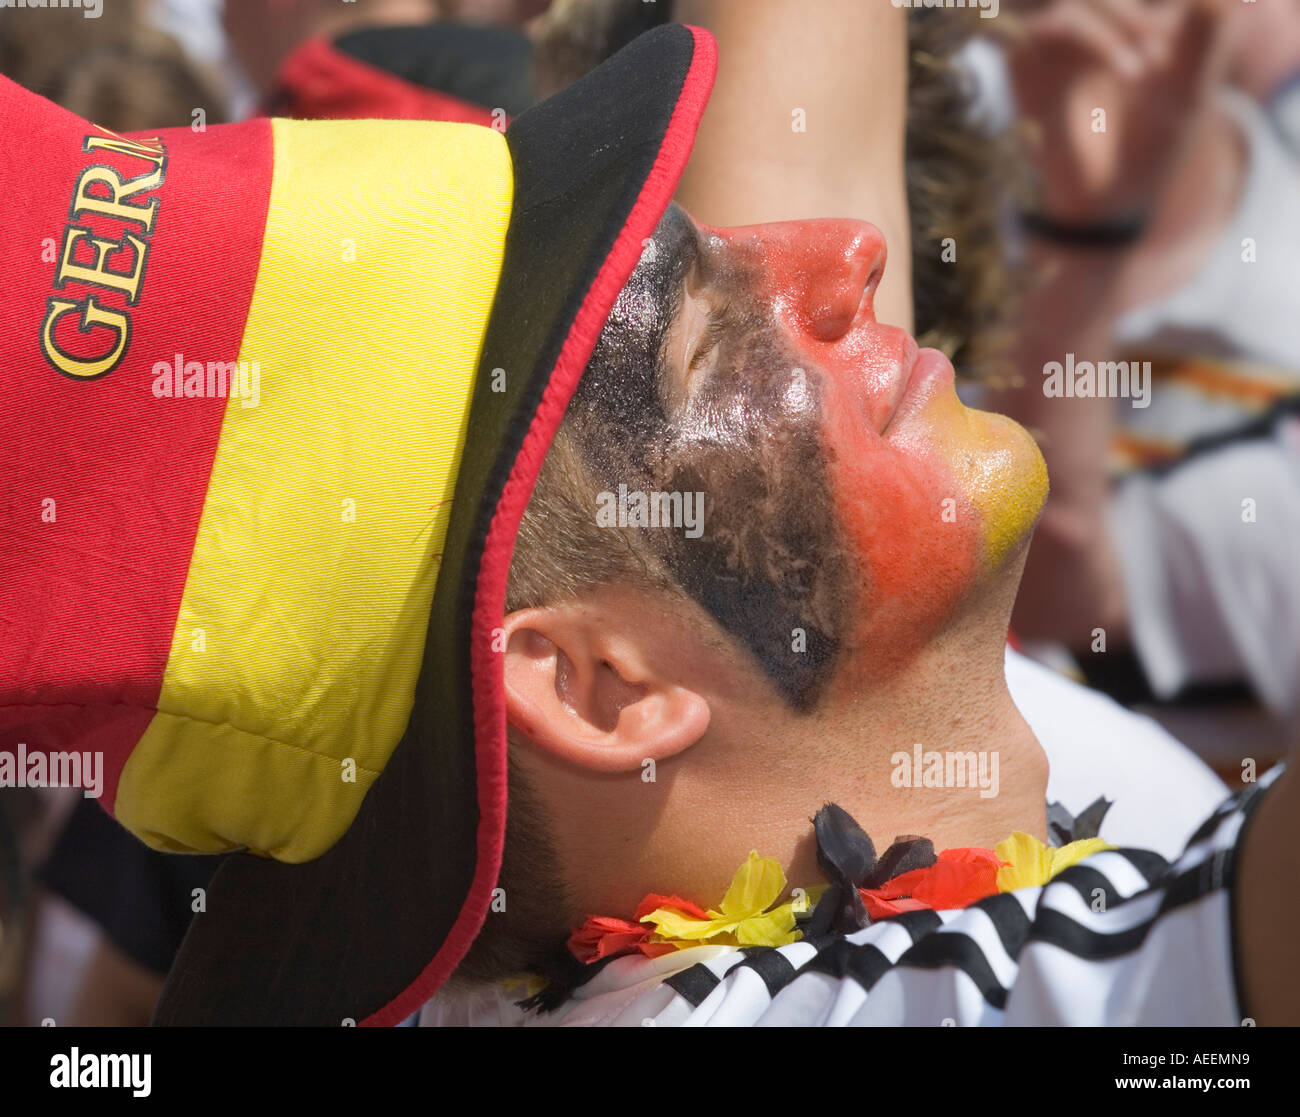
x,y
770,565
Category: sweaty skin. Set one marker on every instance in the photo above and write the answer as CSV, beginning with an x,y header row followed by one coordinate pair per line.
x,y
851,500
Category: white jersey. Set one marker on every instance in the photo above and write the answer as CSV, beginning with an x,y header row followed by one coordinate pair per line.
x,y
1160,791
1122,938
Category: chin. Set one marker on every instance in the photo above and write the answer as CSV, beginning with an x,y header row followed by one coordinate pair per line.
x,y
1008,487
995,464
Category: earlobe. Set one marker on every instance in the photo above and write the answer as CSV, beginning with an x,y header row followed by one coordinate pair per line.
x,y
592,696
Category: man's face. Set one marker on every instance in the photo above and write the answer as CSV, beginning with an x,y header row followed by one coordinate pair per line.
x,y
851,502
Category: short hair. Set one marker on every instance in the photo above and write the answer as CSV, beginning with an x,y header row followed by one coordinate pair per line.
x,y
561,553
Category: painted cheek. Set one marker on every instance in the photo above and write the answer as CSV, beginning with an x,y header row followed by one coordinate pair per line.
x,y
914,532
866,370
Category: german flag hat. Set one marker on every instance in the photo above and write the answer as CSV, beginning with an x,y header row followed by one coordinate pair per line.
x,y
273,399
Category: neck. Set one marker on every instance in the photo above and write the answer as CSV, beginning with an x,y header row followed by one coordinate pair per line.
x,y
941,752
759,775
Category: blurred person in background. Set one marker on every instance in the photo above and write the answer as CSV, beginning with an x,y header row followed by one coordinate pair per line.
x,y
30,821
263,32
1263,48
1164,231
390,59
119,69
136,905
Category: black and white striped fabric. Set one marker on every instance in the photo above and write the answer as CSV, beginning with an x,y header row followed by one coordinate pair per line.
x,y
1123,938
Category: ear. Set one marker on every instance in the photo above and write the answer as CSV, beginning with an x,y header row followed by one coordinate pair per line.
x,y
593,694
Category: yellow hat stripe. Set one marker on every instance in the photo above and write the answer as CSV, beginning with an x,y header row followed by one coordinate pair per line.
x,y
302,624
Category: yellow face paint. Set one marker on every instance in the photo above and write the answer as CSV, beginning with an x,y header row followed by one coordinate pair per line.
x,y
1001,471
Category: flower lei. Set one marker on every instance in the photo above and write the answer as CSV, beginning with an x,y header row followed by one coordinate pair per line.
x,y
909,876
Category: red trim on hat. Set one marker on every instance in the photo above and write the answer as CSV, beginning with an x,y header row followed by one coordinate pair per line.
x,y
494,571
317,81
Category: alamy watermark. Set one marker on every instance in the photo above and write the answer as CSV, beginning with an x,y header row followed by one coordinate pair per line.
x,y
988,8
55,769
90,1070
954,768
1129,380
182,379
634,508
91,9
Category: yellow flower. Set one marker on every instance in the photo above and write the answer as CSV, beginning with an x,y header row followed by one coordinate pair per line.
x,y
1029,862
743,918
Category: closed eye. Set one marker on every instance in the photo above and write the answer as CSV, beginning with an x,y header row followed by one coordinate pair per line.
x,y
712,335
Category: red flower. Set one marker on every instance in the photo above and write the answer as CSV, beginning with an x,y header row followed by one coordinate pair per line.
x,y
602,936
957,879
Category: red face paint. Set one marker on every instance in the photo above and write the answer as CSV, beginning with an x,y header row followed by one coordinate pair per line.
x,y
884,410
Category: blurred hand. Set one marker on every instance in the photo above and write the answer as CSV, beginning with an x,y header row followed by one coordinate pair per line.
x,y
1142,62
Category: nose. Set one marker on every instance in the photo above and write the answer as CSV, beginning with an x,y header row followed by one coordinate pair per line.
x,y
824,273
